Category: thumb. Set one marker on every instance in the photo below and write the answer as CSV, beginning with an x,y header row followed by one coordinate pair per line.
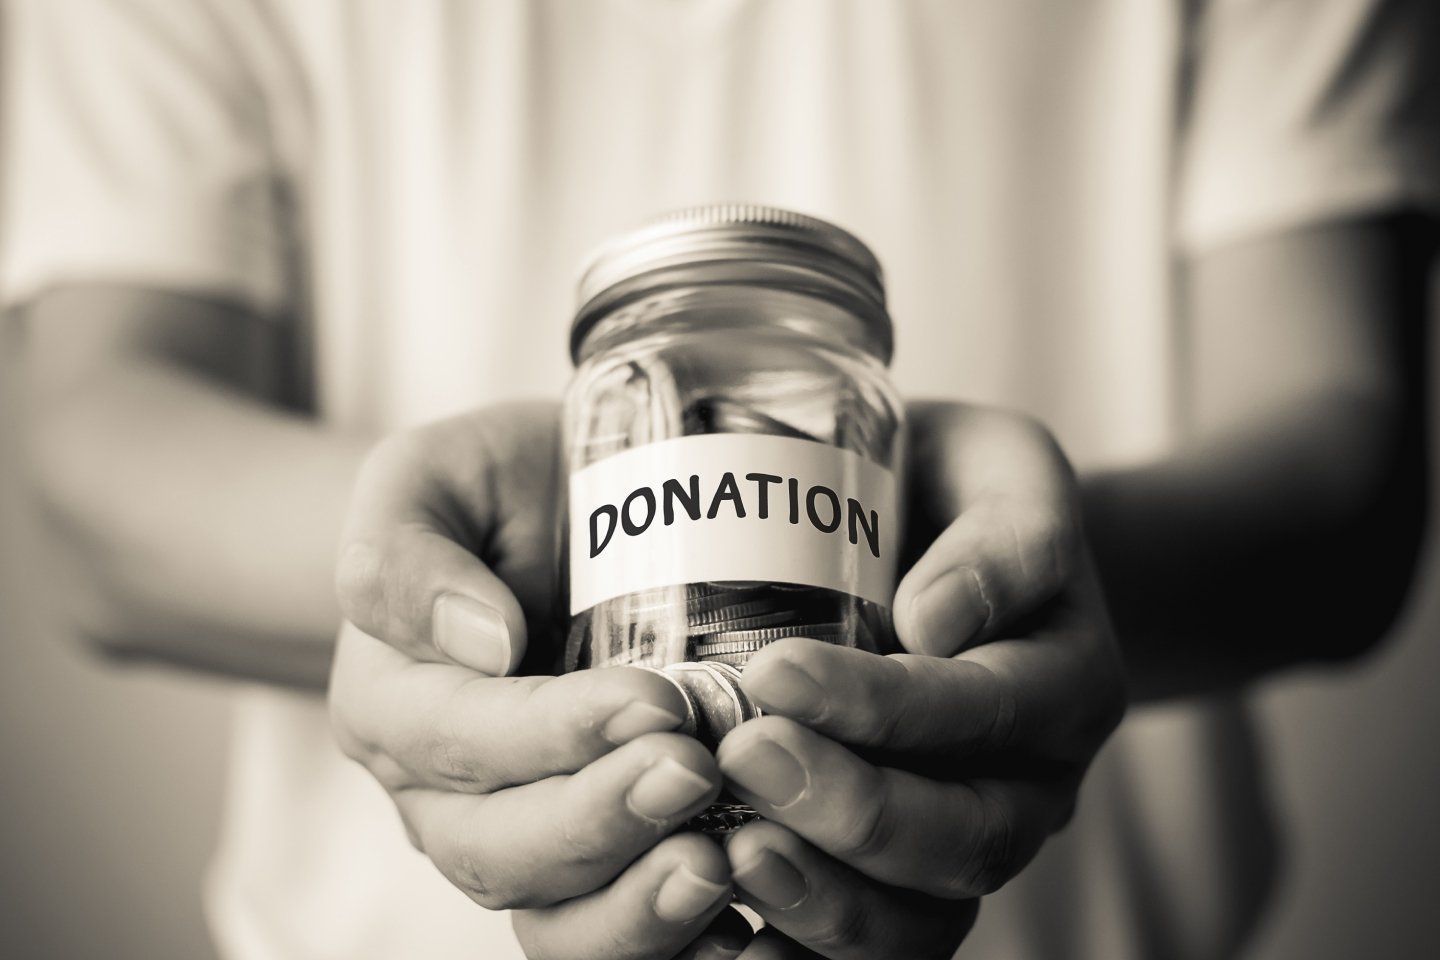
x,y
995,564
1014,540
404,578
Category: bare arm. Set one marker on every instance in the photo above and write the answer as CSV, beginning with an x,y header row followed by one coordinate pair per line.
x,y
1286,527
199,515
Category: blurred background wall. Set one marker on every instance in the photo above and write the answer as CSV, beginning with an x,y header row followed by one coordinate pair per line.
x,y
110,783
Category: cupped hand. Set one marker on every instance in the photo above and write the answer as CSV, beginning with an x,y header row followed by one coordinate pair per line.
x,y
897,789
558,797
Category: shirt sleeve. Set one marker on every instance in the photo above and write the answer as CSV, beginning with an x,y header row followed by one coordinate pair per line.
x,y
1301,110
135,150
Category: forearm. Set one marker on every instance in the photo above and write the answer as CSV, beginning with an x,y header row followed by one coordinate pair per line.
x,y
1285,526
1288,542
202,523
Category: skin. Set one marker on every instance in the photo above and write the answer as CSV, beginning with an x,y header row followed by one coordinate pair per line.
x,y
1303,474
913,783
155,416
1304,480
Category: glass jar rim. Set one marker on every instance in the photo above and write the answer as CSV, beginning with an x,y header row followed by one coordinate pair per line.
x,y
735,245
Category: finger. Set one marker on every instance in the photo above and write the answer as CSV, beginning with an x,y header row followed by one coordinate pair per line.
x,y
426,503
951,840
543,842
901,703
1056,694
1004,495
833,910
1061,690
431,724
652,911
771,944
726,938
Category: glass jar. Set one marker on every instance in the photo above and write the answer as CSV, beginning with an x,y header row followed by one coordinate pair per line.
x,y
732,446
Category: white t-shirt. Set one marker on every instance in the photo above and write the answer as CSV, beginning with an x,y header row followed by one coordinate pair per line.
x,y
414,184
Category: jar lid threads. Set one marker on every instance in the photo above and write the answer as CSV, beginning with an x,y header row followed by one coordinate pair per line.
x,y
735,244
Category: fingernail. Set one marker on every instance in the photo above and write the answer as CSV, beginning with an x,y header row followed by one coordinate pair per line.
x,y
766,769
665,789
782,687
947,614
471,633
685,895
636,719
773,880
717,951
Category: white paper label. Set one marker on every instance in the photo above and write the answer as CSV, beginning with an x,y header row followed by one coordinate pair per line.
x,y
732,506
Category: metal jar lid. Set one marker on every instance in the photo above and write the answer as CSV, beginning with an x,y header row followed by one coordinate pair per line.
x,y
735,244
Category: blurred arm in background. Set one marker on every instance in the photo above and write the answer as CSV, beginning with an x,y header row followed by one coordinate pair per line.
x,y
198,516
1286,527
149,246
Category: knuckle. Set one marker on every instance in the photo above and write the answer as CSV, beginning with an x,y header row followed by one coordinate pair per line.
x,y
445,745
1116,702
1053,532
1028,432
1001,719
1101,713
893,702
955,925
396,454
412,829
871,831
350,741
365,749
988,863
389,772
1038,434
1057,540
1046,544
887,724
842,928
347,729
473,875
447,759
587,840
359,576
1032,428
1064,813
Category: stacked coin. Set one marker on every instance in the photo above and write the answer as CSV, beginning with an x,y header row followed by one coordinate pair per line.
x,y
757,613
724,621
714,705
714,702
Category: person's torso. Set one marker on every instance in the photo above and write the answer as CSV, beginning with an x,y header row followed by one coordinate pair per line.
x,y
1008,161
